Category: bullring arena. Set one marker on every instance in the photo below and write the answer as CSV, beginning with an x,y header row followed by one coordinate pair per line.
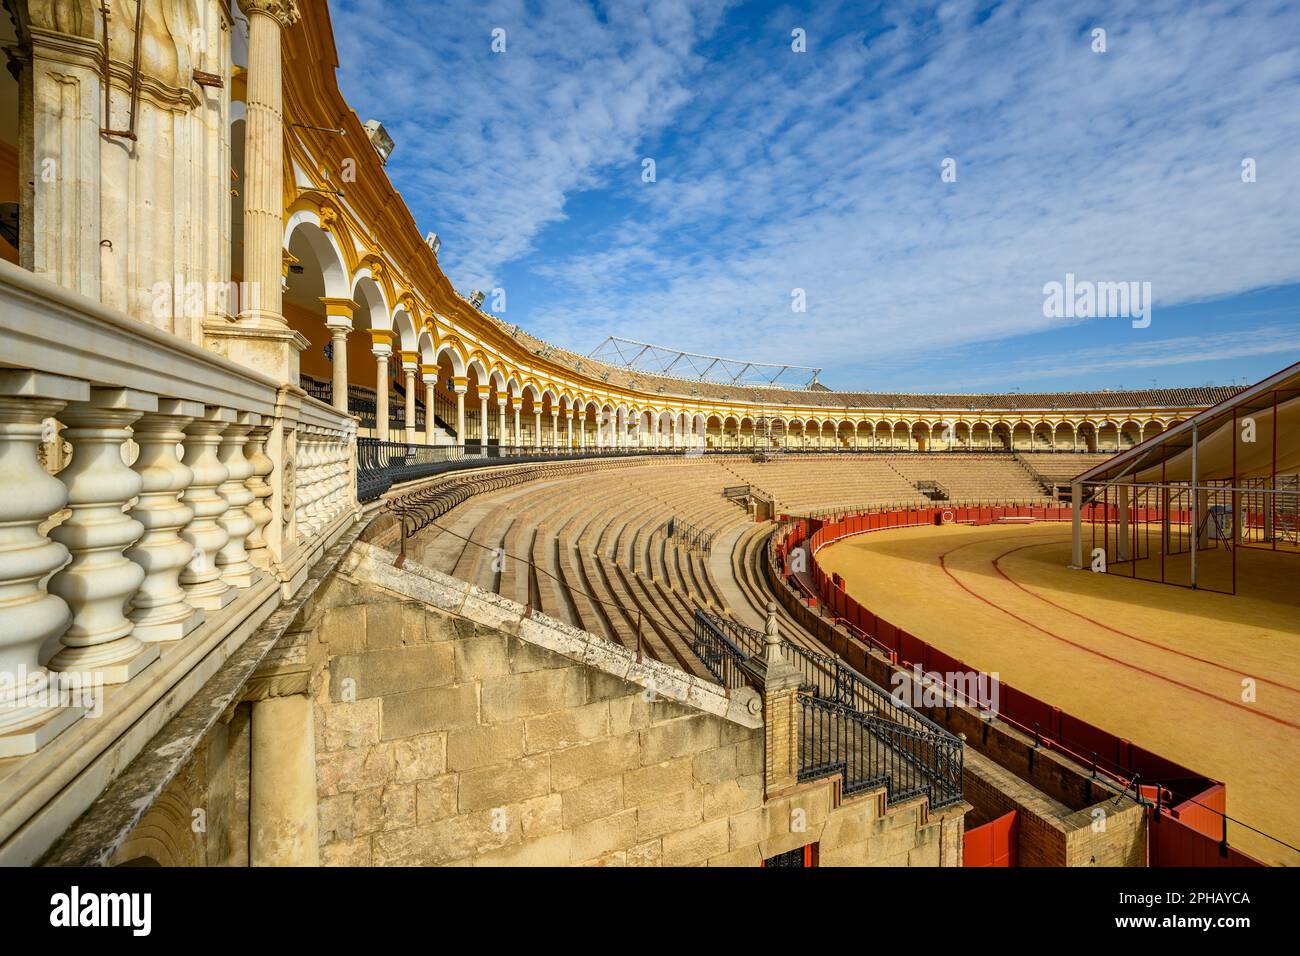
x,y
359,574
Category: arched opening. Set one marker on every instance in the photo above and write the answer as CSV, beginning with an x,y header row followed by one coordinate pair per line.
x,y
1063,438
1086,436
316,272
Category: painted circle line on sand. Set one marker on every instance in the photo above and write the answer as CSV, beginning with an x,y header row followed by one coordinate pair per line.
x,y
1115,660
1114,630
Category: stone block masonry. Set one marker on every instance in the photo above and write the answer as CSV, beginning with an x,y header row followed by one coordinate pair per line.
x,y
456,729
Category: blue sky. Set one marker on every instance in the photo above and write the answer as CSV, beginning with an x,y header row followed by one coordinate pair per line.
x,y
821,171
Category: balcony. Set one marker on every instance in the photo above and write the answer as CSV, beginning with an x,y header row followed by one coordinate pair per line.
x,y
161,502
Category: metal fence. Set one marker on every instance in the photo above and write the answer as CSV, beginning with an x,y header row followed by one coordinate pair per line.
x,y
382,464
689,536
848,724
719,653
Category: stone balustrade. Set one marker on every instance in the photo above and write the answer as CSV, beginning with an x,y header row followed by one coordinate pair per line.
x,y
190,496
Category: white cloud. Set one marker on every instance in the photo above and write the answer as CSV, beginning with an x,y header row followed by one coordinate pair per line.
x,y
821,170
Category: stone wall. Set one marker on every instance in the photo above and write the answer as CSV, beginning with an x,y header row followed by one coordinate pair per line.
x,y
455,730
201,816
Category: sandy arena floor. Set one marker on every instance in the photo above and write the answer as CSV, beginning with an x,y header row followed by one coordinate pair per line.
x,y
1162,666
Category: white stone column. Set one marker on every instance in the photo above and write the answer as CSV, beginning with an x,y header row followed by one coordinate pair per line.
x,y
537,428
262,189
410,362
29,615
515,402
459,386
201,578
159,608
501,422
429,374
338,320
283,823
232,560
580,419
381,352
568,432
483,394
100,580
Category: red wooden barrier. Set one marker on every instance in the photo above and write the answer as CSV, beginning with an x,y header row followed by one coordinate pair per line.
x,y
1189,839
993,844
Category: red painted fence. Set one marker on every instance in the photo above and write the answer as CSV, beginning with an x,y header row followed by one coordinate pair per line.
x,y
994,843
1189,834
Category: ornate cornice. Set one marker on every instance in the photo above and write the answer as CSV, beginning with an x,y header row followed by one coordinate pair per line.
x,y
284,12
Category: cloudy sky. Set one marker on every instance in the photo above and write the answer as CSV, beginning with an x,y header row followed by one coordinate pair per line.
x,y
824,171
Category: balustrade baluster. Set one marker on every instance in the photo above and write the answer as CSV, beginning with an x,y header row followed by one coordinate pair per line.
x,y
159,608
100,580
29,615
232,560
201,578
259,509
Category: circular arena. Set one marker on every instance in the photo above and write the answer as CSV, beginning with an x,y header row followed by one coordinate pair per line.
x,y
1133,640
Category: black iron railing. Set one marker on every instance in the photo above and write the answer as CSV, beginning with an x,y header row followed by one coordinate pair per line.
x,y
689,536
846,720
723,657
383,464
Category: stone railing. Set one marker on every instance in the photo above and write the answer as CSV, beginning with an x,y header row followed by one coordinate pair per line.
x,y
159,503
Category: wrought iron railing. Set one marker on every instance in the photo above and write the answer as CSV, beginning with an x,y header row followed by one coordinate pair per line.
x,y
850,724
689,536
723,657
383,464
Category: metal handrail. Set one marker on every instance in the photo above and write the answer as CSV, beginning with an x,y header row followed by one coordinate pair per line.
x,y
848,706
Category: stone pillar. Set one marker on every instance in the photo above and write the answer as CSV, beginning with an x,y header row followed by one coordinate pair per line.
x,y
780,712
429,374
579,418
159,608
410,364
100,580
201,578
262,189
338,319
537,428
501,421
458,386
516,402
484,391
29,615
382,349
261,338
568,432
282,810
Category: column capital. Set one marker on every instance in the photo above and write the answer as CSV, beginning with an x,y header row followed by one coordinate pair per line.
x,y
429,372
283,12
517,401
381,341
338,311
459,384
410,360
485,392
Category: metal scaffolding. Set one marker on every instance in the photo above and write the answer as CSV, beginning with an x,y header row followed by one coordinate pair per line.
x,y
658,360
